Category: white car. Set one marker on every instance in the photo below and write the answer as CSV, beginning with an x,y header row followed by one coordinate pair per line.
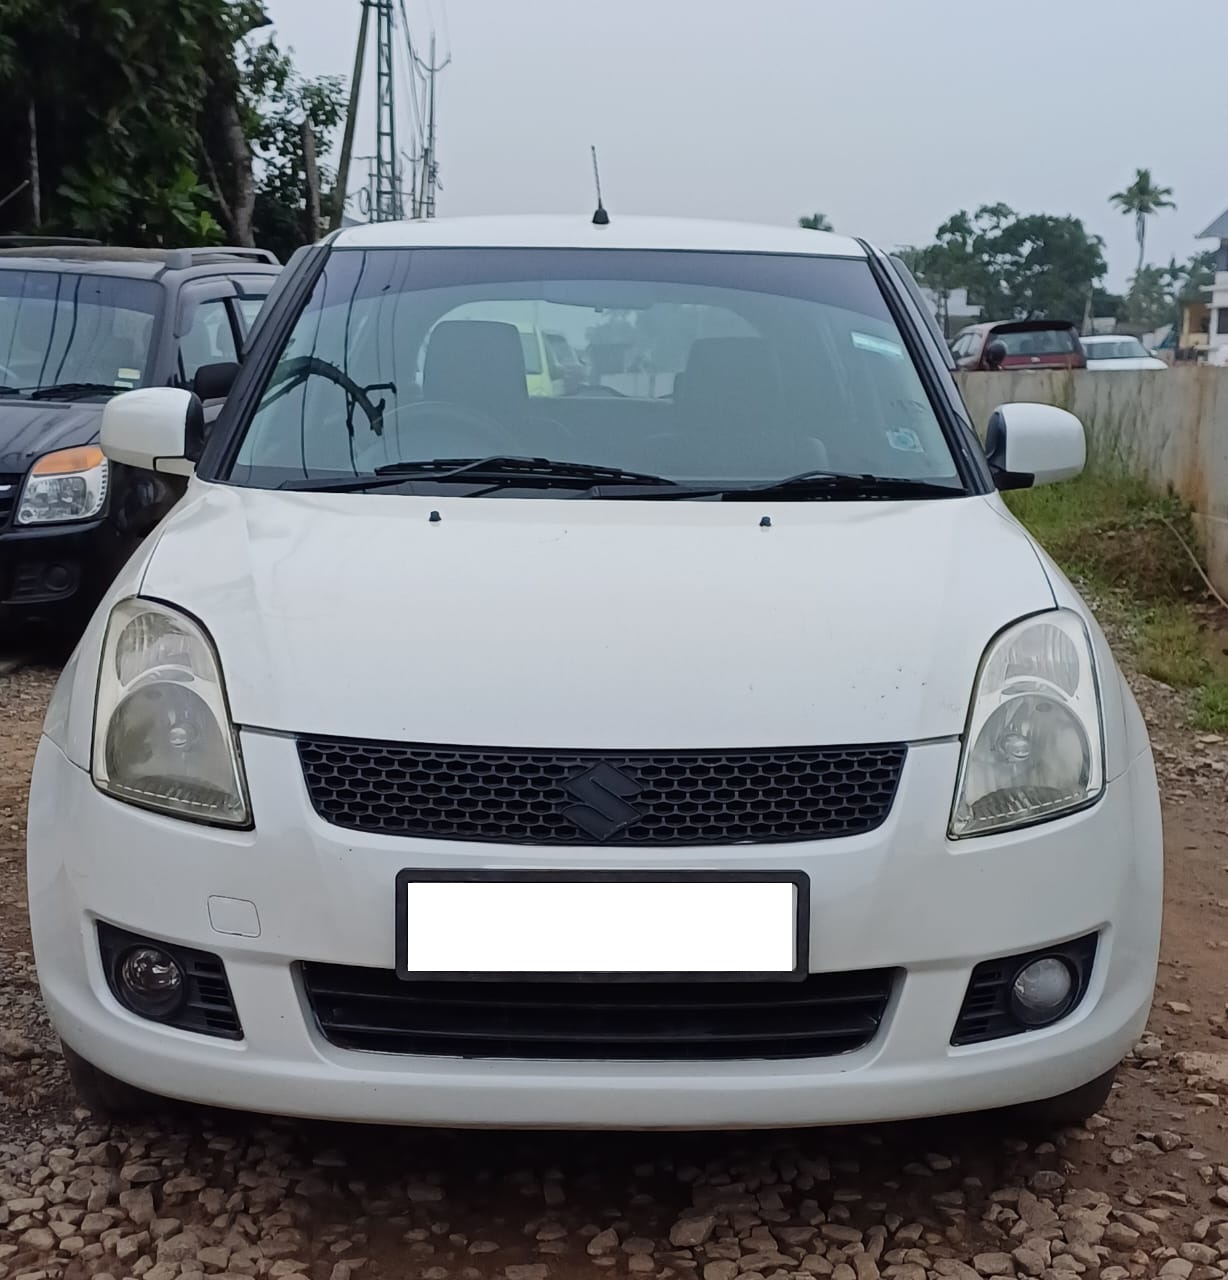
x,y
1117,352
451,757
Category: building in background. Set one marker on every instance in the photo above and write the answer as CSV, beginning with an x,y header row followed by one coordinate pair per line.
x,y
957,313
1215,339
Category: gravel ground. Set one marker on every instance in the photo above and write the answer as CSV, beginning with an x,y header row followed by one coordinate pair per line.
x,y
1141,1192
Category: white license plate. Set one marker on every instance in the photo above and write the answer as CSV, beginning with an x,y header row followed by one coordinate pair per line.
x,y
611,925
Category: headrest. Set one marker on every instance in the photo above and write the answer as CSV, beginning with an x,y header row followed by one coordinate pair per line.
x,y
729,372
477,363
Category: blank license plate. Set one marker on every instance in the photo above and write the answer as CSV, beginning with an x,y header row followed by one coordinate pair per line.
x,y
634,926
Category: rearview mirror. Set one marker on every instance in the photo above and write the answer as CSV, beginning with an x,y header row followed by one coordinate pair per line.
x,y
1033,444
154,429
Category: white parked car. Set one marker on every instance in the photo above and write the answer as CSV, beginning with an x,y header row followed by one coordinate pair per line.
x,y
1117,352
734,758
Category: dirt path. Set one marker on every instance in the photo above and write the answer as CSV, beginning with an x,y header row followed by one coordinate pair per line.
x,y
1143,1191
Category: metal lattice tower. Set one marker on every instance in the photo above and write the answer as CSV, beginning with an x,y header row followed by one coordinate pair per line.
x,y
388,204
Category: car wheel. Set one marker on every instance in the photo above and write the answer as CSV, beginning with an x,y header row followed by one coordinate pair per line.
x,y
106,1097
1068,1109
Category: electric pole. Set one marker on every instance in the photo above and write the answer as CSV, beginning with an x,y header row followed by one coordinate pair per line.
x,y
430,170
351,122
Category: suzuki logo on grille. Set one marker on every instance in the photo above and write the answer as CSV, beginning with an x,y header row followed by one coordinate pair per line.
x,y
603,810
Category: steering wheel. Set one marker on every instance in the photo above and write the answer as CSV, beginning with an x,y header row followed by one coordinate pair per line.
x,y
462,431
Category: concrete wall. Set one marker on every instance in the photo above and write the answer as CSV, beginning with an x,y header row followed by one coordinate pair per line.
x,y
1169,426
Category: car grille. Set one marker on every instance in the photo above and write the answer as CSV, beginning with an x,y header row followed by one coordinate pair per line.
x,y
986,1012
10,489
373,1010
581,798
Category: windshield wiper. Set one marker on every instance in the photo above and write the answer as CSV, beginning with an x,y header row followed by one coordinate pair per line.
x,y
841,484
497,472
835,485
72,391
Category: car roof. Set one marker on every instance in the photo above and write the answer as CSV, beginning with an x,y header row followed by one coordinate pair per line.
x,y
571,232
149,264
1018,326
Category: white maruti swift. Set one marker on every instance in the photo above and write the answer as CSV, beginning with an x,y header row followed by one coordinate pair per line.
x,y
705,747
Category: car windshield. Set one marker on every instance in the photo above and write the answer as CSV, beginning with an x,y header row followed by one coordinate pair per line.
x,y
59,329
1036,342
696,368
1117,349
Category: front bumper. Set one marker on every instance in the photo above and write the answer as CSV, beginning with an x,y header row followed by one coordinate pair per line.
x,y
902,896
57,573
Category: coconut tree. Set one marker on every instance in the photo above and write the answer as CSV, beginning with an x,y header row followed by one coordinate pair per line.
x,y
1142,199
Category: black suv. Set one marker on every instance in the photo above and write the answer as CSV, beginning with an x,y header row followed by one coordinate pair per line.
x,y
79,323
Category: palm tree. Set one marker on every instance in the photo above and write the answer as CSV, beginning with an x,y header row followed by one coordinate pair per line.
x,y
1143,198
815,222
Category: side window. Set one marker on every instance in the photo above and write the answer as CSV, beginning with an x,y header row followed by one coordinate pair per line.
x,y
210,338
249,309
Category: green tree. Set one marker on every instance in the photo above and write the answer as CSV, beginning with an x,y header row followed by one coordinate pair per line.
x,y
161,122
1013,266
1192,279
1150,302
1142,199
815,222
275,102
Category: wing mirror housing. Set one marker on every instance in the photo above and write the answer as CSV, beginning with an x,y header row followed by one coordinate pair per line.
x,y
155,429
1034,444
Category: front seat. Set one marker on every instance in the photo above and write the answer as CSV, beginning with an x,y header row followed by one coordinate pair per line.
x,y
479,365
731,413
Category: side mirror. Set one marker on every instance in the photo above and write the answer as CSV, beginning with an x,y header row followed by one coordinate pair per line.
x,y
1033,444
995,355
154,429
214,381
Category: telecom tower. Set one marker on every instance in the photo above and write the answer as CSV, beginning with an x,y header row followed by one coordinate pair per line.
x,y
388,204
385,197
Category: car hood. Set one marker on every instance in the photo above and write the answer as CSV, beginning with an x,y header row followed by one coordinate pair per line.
x,y
28,429
597,624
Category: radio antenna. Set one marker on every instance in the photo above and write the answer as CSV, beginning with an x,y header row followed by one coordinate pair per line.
x,y
601,218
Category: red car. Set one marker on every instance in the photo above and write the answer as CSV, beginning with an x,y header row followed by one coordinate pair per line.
x,y
1019,344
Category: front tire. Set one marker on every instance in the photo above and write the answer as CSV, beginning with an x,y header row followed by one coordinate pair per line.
x,y
106,1097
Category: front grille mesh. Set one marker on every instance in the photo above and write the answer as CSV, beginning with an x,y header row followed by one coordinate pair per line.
x,y
10,488
539,797
371,1009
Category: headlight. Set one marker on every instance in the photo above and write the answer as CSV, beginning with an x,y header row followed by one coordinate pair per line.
x,y
162,732
1034,748
68,485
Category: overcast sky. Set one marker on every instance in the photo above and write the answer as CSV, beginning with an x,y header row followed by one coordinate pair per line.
x,y
887,115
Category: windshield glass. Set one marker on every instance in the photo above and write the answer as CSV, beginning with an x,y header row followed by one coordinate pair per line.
x,y
57,328
1036,342
702,368
1118,349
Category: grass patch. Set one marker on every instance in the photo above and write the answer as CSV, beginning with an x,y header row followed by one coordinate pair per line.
x,y
1115,537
